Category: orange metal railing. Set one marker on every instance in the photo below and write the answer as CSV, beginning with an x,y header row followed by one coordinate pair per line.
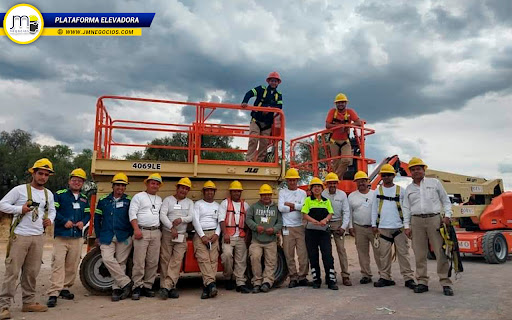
x,y
105,127
315,148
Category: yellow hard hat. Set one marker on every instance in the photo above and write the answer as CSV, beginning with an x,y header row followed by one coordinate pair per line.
x,y
265,189
292,173
387,168
185,182
417,162
209,185
120,178
360,175
43,163
156,177
331,176
316,181
236,185
340,97
79,172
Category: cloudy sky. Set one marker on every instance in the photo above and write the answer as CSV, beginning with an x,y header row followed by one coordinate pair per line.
x,y
434,78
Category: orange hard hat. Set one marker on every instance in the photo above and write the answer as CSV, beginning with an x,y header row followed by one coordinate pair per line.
x,y
274,75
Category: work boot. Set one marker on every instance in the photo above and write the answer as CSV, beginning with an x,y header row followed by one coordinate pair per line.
x,y
304,283
136,293
5,314
116,295
205,294
421,288
230,285
65,294
256,289
317,284
447,291
126,290
174,294
163,294
243,289
383,283
212,289
52,301
365,280
265,287
332,285
147,292
34,307
346,281
410,284
293,284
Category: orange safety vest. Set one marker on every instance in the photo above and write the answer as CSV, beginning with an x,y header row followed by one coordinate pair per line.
x,y
230,221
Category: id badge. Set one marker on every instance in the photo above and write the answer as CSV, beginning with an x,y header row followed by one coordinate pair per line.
x,y
177,207
286,232
76,205
264,219
366,204
119,204
179,239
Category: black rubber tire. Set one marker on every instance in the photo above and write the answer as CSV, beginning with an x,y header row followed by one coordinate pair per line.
x,y
281,272
495,247
94,275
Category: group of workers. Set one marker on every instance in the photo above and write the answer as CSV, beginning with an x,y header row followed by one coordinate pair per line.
x,y
156,231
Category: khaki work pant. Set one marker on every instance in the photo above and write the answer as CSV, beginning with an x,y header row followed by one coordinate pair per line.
x,y
171,257
114,256
402,252
208,259
296,240
364,239
256,251
65,261
341,165
145,258
339,240
253,148
26,256
234,254
425,230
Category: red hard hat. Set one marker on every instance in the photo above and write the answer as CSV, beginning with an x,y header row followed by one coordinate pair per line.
x,y
274,75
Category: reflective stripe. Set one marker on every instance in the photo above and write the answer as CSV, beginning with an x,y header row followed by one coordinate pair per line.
x,y
254,91
98,211
279,102
87,210
61,191
57,205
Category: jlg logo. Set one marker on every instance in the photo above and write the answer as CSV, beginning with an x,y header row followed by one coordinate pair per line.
x,y
251,170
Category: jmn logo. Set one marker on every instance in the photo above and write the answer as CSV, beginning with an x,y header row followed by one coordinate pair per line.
x,y
23,23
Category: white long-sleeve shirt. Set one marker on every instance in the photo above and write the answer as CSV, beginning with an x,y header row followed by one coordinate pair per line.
x,y
428,197
339,202
173,209
361,207
145,208
389,215
206,217
291,218
236,206
13,202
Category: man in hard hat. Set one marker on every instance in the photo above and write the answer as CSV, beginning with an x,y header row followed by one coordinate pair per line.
x,y
206,239
290,203
360,203
72,214
145,219
262,121
339,142
339,222
387,222
423,201
318,212
265,221
32,206
114,235
176,213
232,217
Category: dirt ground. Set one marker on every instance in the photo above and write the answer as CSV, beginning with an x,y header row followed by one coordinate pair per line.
x,y
483,292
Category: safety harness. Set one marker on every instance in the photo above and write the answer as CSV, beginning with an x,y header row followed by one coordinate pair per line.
x,y
262,125
451,247
335,120
396,199
35,215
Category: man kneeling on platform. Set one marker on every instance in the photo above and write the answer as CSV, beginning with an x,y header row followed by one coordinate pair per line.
x,y
387,215
265,221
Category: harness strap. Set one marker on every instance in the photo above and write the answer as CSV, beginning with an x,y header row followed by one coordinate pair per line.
x,y
396,199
